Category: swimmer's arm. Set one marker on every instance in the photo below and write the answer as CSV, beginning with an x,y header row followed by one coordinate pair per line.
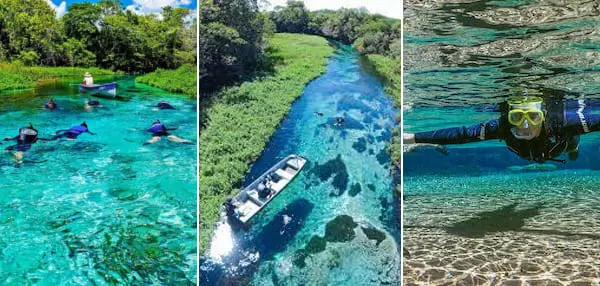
x,y
172,128
460,135
92,133
581,122
8,138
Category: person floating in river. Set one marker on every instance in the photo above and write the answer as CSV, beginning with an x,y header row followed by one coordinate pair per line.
x,y
27,137
89,104
51,104
88,80
73,132
159,130
164,105
535,130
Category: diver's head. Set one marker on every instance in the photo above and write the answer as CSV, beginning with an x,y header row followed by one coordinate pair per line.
x,y
526,116
84,124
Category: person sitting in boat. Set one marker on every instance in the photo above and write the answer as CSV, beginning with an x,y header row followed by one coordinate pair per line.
x,y
88,80
73,132
26,138
264,188
51,104
164,105
159,130
535,130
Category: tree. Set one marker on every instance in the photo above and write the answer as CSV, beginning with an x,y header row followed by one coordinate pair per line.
x,y
29,30
231,40
292,18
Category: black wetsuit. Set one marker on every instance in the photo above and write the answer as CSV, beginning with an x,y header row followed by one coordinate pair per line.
x,y
565,121
27,136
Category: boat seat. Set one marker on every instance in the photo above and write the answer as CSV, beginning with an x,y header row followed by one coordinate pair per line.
x,y
256,201
283,174
294,164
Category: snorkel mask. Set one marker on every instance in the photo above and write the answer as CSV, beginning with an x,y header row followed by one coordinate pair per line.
x,y
526,115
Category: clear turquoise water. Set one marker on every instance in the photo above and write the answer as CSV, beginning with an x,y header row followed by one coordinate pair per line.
x,y
476,216
102,209
270,251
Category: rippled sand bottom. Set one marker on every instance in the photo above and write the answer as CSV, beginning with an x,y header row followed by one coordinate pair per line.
x,y
524,229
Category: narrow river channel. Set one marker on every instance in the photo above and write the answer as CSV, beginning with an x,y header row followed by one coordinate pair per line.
x,y
337,223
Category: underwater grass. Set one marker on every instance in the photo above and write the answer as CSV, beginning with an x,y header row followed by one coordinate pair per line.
x,y
181,80
243,118
16,76
391,71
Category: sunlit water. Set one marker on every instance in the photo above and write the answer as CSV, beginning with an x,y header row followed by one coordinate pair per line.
x,y
102,209
479,215
347,179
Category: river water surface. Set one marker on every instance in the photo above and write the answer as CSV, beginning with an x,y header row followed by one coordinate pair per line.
x,y
337,222
481,215
104,209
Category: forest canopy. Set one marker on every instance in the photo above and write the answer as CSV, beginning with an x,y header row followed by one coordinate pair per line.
x,y
233,33
369,33
101,34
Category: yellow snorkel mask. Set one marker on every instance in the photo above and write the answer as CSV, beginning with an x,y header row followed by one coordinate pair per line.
x,y
525,108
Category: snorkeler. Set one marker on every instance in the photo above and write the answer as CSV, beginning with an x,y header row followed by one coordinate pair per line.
x,y
73,132
89,104
164,105
51,104
533,129
158,130
27,136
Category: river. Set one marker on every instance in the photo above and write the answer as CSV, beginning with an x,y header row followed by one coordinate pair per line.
x,y
337,223
102,209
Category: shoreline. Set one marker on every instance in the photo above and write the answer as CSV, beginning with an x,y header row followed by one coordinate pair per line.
x,y
292,74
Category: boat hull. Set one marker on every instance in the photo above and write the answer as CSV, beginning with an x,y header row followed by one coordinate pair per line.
x,y
255,197
109,88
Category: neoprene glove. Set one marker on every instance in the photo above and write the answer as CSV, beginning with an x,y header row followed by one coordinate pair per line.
x,y
408,138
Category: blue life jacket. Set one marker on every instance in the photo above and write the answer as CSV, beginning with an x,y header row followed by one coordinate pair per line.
x,y
158,129
77,130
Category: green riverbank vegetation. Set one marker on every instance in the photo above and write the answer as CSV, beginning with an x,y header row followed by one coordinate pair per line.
x,y
391,70
181,80
17,76
103,35
241,119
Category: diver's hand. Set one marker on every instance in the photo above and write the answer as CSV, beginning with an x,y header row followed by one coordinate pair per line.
x,y
408,138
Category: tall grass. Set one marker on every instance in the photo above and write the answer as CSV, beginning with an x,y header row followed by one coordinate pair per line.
x,y
243,118
16,76
391,70
182,80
